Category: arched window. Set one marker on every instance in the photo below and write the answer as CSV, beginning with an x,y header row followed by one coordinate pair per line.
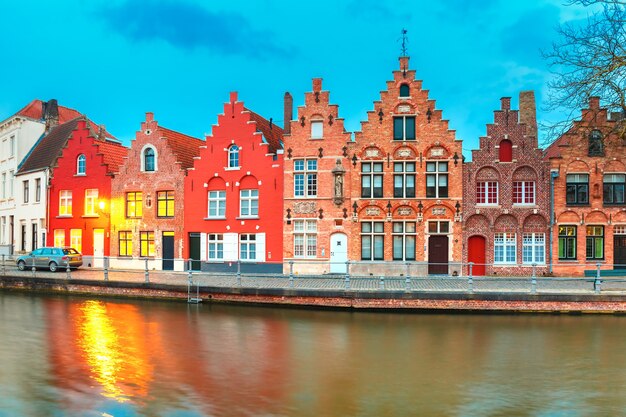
x,y
405,90
506,151
81,164
149,160
233,156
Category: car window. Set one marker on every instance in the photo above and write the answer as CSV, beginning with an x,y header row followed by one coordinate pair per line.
x,y
46,251
37,252
70,251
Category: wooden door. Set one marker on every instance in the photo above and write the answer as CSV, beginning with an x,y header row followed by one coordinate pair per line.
x,y
167,244
619,251
194,251
476,253
438,255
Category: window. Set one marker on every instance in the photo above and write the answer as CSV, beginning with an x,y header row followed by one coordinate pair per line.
x,y
372,180
249,200
595,242
317,129
65,203
165,203
12,146
247,247
523,192
567,242
613,188
305,178
37,190
26,185
91,198
505,245
76,239
404,128
146,240
487,192
126,243
404,235
81,165
438,227
11,182
403,180
372,241
577,189
216,247
217,204
405,90
533,248
305,238
505,153
436,179
59,238
3,229
149,160
134,204
233,156
4,185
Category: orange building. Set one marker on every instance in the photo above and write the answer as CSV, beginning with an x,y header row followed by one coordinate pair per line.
x,y
588,167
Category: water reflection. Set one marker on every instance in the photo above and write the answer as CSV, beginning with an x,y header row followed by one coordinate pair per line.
x,y
77,357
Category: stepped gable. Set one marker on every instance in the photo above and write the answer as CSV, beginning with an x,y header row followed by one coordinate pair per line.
x,y
113,154
184,147
271,132
49,147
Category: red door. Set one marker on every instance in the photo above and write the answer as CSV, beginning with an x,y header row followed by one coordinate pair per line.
x,y
476,254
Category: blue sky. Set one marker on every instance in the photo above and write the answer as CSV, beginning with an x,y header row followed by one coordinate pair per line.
x,y
114,60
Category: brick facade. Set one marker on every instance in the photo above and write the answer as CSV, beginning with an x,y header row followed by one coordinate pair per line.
x,y
234,194
406,141
589,164
147,204
507,201
317,186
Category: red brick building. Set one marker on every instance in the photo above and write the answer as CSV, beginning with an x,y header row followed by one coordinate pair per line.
x,y
147,199
79,190
407,183
588,164
234,192
318,163
506,196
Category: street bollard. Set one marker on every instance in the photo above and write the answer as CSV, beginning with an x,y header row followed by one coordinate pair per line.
x,y
291,274
470,278
146,272
533,282
106,268
347,279
4,272
33,268
598,282
239,272
67,269
382,283
407,280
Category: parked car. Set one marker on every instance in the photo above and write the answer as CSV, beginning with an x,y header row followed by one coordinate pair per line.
x,y
51,258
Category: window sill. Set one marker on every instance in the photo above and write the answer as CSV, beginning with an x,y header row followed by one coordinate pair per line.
x,y
488,205
525,205
247,218
232,168
215,218
614,204
80,175
577,205
317,138
568,261
65,216
90,216
504,265
404,140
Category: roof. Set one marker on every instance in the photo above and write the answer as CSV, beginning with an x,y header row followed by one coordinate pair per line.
x,y
35,110
185,148
272,133
46,151
553,150
113,154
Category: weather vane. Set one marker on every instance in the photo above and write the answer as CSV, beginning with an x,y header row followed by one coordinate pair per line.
x,y
405,41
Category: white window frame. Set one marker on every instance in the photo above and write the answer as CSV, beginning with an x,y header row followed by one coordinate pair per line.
x,y
91,201
484,187
305,178
215,247
12,149
438,175
76,239
81,170
505,241
248,247
65,203
4,185
25,191
214,200
403,173
249,203
37,190
11,183
524,187
59,238
305,238
534,248
233,157
402,233
142,157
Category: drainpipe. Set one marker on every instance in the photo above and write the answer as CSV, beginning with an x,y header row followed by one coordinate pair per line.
x,y
554,174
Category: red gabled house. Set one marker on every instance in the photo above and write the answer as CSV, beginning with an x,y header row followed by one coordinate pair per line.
x,y
234,194
80,190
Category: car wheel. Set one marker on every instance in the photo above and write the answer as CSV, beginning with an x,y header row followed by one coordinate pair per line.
x,y
21,265
53,266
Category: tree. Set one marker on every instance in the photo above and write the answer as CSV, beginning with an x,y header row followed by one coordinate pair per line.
x,y
589,60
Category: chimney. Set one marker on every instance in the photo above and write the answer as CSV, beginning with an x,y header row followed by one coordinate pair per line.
x,y
51,114
288,112
594,103
528,112
505,103
101,133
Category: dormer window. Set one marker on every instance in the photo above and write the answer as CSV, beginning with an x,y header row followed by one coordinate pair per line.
x,y
317,129
81,164
233,156
405,90
149,160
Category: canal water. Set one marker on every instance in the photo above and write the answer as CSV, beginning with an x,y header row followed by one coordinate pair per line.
x,y
64,356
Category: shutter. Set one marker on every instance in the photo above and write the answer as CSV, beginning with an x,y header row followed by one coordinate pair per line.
x,y
260,247
203,246
231,246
